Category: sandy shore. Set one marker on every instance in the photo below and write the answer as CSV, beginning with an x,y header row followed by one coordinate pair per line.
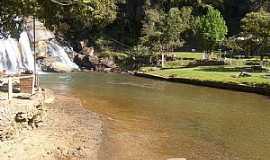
x,y
70,133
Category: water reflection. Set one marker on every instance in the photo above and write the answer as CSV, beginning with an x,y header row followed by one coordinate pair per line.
x,y
148,119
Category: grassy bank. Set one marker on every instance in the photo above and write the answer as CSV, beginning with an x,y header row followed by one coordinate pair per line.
x,y
215,74
183,55
227,74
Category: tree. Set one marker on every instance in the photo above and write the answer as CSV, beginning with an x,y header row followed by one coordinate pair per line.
x,y
232,43
257,26
163,31
174,24
84,13
211,30
150,31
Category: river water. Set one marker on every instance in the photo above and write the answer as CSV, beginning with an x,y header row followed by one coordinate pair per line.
x,y
149,119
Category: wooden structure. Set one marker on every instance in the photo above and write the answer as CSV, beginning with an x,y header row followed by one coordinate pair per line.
x,y
26,84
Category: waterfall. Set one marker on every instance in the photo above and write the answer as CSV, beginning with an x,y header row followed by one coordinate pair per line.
x,y
4,59
17,56
26,52
10,56
55,50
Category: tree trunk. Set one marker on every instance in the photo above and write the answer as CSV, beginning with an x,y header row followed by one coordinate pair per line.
x,y
261,56
162,60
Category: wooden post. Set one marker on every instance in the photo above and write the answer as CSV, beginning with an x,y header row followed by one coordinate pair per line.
x,y
34,46
33,85
10,89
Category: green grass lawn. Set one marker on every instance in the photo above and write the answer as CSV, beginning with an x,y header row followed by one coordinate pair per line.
x,y
177,63
226,74
191,56
186,58
195,55
206,74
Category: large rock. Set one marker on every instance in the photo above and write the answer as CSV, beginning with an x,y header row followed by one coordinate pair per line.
x,y
59,67
86,61
42,34
88,51
41,49
108,63
52,65
19,114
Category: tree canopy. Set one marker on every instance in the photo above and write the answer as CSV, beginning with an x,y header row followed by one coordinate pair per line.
x,y
256,26
156,24
211,29
56,13
162,30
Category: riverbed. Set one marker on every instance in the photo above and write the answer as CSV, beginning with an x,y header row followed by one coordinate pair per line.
x,y
150,119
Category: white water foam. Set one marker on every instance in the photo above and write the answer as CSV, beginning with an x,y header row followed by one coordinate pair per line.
x,y
16,56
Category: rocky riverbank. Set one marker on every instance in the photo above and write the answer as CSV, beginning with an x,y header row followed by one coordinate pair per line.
x,y
67,131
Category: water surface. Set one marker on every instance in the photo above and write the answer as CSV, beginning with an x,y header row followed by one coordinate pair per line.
x,y
149,119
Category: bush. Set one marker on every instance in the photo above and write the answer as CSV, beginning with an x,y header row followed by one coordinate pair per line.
x,y
252,62
205,63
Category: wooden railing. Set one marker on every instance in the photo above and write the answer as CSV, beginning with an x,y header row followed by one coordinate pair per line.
x,y
26,84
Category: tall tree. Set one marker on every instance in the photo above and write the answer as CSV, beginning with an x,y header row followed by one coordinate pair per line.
x,y
211,30
256,26
163,31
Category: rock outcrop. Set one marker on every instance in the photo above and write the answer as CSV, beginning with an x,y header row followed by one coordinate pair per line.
x,y
23,112
51,64
87,59
70,132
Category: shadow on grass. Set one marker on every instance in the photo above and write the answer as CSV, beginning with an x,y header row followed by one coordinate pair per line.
x,y
178,67
255,69
222,69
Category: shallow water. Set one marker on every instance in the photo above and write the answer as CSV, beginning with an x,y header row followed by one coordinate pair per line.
x,y
149,119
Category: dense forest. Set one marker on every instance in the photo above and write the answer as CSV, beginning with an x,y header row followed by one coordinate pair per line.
x,y
147,25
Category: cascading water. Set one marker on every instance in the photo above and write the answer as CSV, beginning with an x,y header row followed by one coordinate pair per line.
x,y
27,54
10,56
55,50
16,56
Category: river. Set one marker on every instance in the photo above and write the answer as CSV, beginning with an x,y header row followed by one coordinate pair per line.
x,y
149,119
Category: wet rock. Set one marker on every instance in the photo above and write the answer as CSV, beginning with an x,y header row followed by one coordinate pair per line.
x,y
94,63
42,49
53,65
86,61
